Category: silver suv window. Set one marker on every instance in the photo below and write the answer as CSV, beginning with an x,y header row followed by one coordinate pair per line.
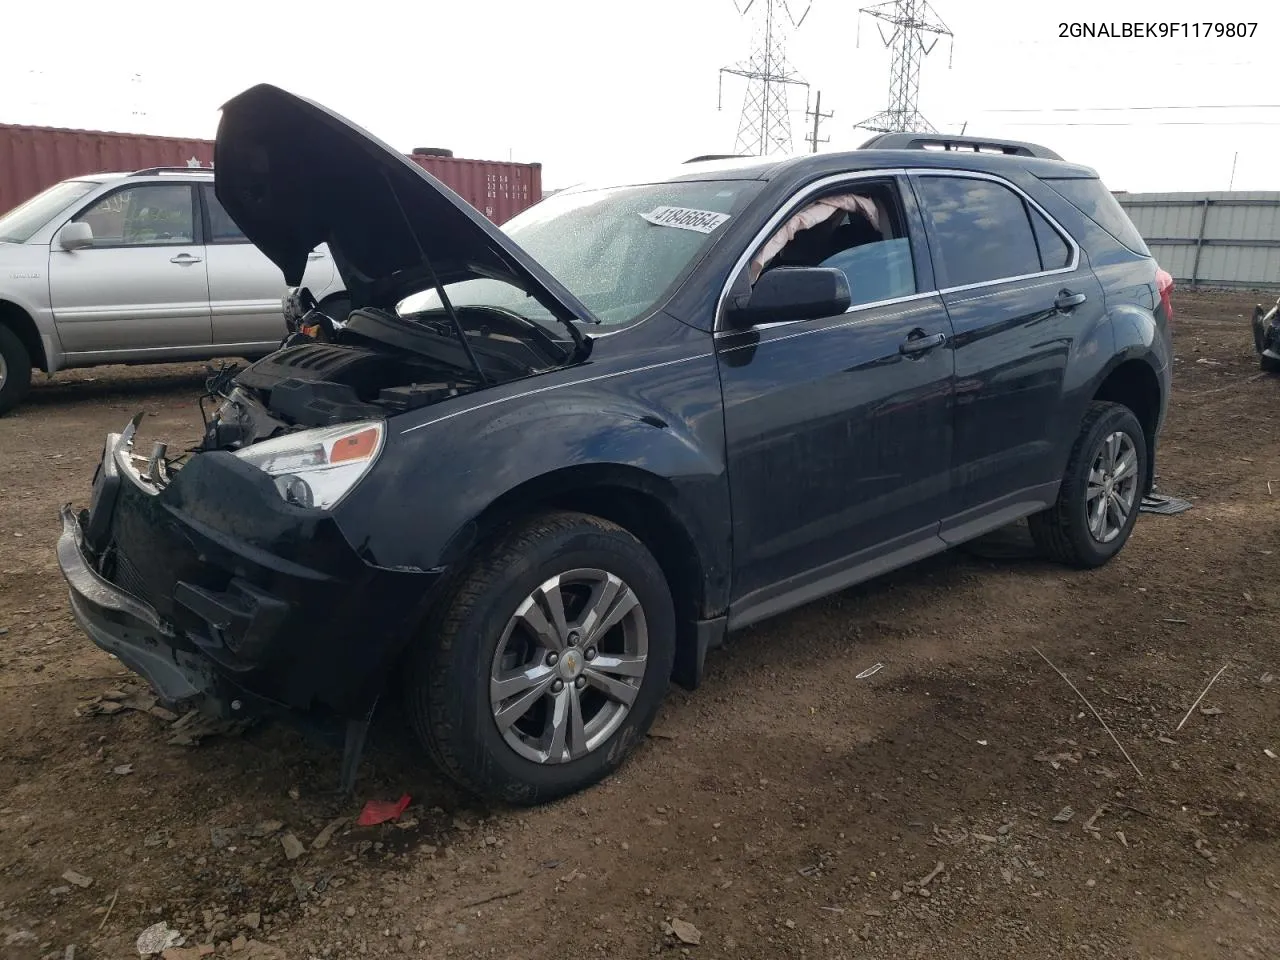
x,y
222,229
20,223
145,215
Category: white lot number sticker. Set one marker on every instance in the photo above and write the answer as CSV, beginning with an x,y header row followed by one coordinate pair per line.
x,y
685,218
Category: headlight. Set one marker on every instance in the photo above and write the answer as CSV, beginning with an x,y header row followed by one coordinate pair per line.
x,y
316,468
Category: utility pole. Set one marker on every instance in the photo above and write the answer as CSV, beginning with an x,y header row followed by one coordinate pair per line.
x,y
818,117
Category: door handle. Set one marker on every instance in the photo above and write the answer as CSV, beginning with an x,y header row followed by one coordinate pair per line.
x,y
917,342
315,255
185,258
1066,300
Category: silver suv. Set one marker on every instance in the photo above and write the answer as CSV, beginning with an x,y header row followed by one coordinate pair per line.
x,y
141,267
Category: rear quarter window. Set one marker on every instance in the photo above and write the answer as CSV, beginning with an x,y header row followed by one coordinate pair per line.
x,y
1096,202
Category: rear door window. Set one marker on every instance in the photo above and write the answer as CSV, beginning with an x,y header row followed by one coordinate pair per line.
x,y
980,231
222,229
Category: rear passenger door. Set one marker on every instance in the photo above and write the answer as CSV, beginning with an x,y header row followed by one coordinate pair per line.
x,y
1022,301
245,288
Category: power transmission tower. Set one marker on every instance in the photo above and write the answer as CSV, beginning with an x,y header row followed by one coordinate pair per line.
x,y
765,126
910,20
818,117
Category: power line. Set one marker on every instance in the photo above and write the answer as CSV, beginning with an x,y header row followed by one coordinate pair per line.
x,y
1207,106
1153,123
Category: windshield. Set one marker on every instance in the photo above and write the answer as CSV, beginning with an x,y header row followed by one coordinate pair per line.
x,y
20,223
619,250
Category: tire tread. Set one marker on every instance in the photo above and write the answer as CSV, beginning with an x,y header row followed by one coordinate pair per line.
x,y
1051,528
432,701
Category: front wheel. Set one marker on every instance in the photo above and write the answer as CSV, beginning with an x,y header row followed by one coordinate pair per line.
x,y
1101,491
15,370
548,664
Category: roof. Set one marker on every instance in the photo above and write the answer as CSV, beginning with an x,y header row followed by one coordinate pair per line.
x,y
768,168
203,173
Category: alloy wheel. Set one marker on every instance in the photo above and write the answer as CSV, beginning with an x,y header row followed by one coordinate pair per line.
x,y
568,666
1112,493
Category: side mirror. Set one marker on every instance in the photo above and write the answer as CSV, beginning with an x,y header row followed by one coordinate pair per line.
x,y
791,293
76,235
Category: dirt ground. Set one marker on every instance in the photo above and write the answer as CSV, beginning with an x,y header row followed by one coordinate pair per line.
x,y
786,809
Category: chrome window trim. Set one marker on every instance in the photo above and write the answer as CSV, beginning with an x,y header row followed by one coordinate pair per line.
x,y
834,326
826,183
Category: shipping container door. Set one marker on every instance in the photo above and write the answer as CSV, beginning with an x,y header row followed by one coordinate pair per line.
x,y
141,288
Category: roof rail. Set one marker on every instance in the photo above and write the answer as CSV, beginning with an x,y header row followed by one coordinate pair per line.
x,y
149,171
714,156
940,141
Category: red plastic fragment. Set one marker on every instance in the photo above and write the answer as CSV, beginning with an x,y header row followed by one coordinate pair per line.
x,y
380,811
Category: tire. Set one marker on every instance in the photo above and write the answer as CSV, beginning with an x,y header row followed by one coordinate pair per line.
x,y
1265,363
1062,532
15,370
477,636
1259,332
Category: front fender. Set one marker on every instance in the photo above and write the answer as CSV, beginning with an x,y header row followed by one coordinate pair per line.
x,y
657,429
24,283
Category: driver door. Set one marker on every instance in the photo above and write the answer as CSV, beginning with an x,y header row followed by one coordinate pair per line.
x,y
142,285
838,429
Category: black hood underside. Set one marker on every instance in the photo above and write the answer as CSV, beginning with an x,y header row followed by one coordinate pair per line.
x,y
294,175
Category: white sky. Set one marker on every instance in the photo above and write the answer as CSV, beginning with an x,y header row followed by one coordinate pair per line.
x,y
580,85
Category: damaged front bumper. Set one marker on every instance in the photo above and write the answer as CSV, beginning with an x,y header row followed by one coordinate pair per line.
x,y
127,627
223,596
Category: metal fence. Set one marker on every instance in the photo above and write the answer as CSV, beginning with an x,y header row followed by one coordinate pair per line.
x,y
1211,239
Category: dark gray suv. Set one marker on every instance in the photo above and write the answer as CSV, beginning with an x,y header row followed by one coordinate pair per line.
x,y
540,470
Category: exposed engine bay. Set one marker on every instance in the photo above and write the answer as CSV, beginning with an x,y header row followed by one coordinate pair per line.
x,y
374,364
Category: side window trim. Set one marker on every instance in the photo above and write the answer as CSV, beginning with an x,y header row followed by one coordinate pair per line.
x,y
793,204
206,190
1029,203
197,222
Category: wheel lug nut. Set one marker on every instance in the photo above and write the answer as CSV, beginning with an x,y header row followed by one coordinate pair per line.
x,y
557,686
590,653
552,659
580,682
573,639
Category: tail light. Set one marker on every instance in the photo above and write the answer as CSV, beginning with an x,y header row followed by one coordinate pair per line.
x,y
1164,284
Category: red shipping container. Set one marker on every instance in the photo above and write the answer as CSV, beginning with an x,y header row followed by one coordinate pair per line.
x,y
33,158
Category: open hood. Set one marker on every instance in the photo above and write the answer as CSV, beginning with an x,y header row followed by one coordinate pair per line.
x,y
293,175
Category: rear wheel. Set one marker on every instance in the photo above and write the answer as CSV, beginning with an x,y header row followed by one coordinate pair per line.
x,y
548,664
15,370
1101,491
